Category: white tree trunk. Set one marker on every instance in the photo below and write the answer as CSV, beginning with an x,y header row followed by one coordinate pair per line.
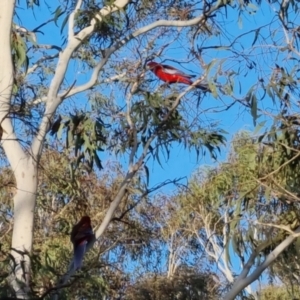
x,y
23,165
22,239
6,68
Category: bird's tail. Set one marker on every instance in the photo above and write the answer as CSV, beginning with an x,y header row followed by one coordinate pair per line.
x,y
79,251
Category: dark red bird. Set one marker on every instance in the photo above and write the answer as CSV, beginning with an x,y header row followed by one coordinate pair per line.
x,y
171,75
82,234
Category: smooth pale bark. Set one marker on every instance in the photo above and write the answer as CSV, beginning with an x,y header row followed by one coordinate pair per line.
x,y
243,280
22,240
23,166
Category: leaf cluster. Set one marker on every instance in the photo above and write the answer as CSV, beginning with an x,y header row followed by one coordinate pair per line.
x,y
84,136
184,285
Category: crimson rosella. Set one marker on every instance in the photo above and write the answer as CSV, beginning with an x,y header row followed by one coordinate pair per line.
x,y
170,75
81,235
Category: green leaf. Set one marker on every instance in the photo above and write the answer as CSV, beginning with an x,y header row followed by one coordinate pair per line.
x,y
254,108
57,13
256,36
240,22
259,127
210,65
227,254
213,89
270,93
147,174
71,171
20,49
97,160
65,21
235,244
60,130
69,138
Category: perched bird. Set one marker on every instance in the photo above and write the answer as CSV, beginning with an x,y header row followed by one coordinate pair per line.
x,y
81,235
171,75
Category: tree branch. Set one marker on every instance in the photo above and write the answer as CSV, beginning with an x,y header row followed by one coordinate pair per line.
x,y
242,281
74,41
122,42
72,17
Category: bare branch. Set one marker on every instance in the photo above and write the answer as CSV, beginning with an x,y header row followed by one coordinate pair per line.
x,y
38,63
71,19
282,227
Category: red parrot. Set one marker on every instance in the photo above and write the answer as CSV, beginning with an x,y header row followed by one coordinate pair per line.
x,y
170,75
81,235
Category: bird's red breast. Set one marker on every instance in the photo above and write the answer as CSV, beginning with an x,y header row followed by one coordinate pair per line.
x,y
169,74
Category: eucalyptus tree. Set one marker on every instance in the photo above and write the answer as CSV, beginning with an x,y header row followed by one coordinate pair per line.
x,y
101,56
244,213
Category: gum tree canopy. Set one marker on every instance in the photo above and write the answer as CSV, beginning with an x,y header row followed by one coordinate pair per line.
x,y
85,127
